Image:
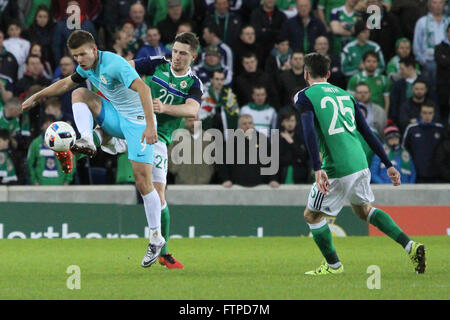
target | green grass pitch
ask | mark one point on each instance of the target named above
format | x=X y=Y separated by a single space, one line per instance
x=220 y=268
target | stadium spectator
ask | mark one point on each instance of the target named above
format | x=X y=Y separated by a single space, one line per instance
x=408 y=13
x=267 y=21
x=402 y=89
x=169 y=26
x=263 y=114
x=245 y=45
x=33 y=76
x=185 y=27
x=288 y=7
x=421 y=140
x=379 y=84
x=152 y=45
x=252 y=75
x=367 y=150
x=28 y=9
x=400 y=158
x=211 y=36
x=190 y=171
x=388 y=32
x=229 y=22
x=403 y=49
x=137 y=14
x=9 y=117
x=375 y=115
x=303 y=29
x=442 y=57
x=158 y=9
x=353 y=52
x=246 y=174
x=6 y=91
x=205 y=69
x=62 y=32
x=8 y=63
x=52 y=106
x=114 y=14
x=120 y=45
x=443 y=158
x=43 y=166
x=342 y=21
x=36 y=49
x=294 y=168
x=279 y=58
x=291 y=81
x=430 y=31
x=133 y=43
x=18 y=46
x=219 y=108
x=41 y=31
x=7 y=165
x=337 y=78
x=325 y=10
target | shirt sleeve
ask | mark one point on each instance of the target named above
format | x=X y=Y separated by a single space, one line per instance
x=148 y=64
x=196 y=91
x=124 y=72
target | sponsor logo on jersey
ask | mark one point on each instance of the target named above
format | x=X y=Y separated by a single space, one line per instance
x=183 y=84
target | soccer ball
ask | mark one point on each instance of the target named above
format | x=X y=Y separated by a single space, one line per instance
x=60 y=136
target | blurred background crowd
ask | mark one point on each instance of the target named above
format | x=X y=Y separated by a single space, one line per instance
x=251 y=64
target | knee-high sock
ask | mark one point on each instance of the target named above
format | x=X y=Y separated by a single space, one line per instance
x=152 y=206
x=323 y=238
x=384 y=222
x=83 y=119
x=165 y=226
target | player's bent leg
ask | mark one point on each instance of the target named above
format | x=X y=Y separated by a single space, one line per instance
x=322 y=237
x=386 y=224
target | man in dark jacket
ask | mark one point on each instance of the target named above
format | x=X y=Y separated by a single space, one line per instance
x=228 y=22
x=8 y=63
x=169 y=26
x=442 y=57
x=421 y=140
x=291 y=81
x=303 y=29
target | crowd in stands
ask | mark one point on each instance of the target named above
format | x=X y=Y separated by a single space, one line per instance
x=250 y=61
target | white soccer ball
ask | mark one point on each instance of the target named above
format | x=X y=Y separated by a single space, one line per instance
x=60 y=136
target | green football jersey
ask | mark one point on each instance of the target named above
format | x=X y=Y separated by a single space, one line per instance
x=341 y=15
x=379 y=86
x=338 y=137
x=170 y=89
x=328 y=6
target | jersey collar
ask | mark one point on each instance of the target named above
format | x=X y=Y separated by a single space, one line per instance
x=183 y=75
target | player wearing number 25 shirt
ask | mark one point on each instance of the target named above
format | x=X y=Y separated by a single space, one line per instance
x=331 y=120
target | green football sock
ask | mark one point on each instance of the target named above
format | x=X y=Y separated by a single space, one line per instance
x=165 y=227
x=323 y=238
x=384 y=222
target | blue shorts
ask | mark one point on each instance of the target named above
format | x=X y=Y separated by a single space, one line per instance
x=117 y=126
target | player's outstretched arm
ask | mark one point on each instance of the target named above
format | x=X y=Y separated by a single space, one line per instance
x=56 y=89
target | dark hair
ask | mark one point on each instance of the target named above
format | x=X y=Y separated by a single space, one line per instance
x=420 y=80
x=317 y=65
x=79 y=38
x=362 y=84
x=245 y=26
x=213 y=28
x=248 y=55
x=408 y=61
x=188 y=38
x=286 y=115
x=219 y=71
x=14 y=22
x=428 y=104
x=258 y=86
x=296 y=51
x=32 y=56
x=42 y=7
x=371 y=54
x=4 y=134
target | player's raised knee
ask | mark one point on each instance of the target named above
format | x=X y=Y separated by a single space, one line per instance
x=79 y=95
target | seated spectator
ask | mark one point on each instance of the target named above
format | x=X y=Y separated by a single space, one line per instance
x=303 y=29
x=408 y=13
x=133 y=43
x=342 y=24
x=252 y=75
x=353 y=52
x=169 y=26
x=33 y=76
x=442 y=57
x=8 y=63
x=263 y=114
x=293 y=80
x=62 y=32
x=152 y=45
x=388 y=32
x=9 y=117
x=245 y=45
x=443 y=158
x=403 y=49
x=120 y=45
x=43 y=166
x=279 y=57
x=158 y=9
x=367 y=150
x=36 y=49
x=294 y=168
x=375 y=115
x=325 y=10
x=137 y=14
x=430 y=31
x=184 y=27
x=52 y=107
x=18 y=46
x=219 y=108
x=41 y=31
x=379 y=84
x=400 y=158
x=246 y=174
x=421 y=140
x=190 y=171
x=205 y=69
x=402 y=89
x=28 y=10
x=288 y=7
x=267 y=21
x=7 y=165
x=322 y=46
x=211 y=35
x=229 y=22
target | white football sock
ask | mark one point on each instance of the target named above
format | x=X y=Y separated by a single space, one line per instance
x=83 y=119
x=152 y=206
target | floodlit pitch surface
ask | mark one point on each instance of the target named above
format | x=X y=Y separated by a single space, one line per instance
x=220 y=268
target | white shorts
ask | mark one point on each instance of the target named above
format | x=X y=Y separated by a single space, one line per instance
x=160 y=162
x=354 y=188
